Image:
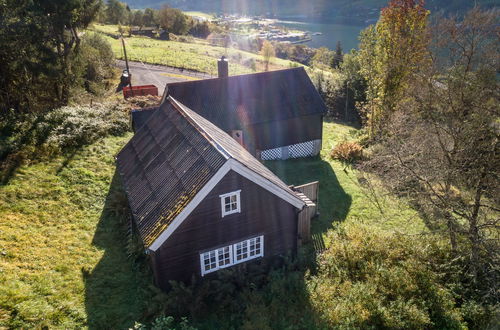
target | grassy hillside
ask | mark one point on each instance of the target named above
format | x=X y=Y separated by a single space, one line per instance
x=63 y=259
x=195 y=55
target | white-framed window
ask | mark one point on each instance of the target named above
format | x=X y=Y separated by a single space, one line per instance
x=233 y=254
x=230 y=203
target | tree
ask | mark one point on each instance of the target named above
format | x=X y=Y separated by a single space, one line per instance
x=355 y=83
x=200 y=29
x=138 y=18
x=173 y=20
x=38 y=46
x=267 y=52
x=338 y=57
x=116 y=12
x=150 y=17
x=322 y=58
x=391 y=53
x=443 y=147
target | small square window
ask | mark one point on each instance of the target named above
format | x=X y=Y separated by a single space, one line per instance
x=230 y=203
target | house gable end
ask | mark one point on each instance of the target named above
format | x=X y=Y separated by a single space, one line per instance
x=262 y=214
x=237 y=167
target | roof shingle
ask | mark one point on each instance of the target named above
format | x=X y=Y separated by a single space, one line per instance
x=235 y=101
x=170 y=159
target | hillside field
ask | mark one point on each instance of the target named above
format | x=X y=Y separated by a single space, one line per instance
x=193 y=54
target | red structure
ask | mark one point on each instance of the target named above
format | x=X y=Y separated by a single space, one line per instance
x=140 y=91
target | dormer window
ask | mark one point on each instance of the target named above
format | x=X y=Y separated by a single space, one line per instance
x=230 y=203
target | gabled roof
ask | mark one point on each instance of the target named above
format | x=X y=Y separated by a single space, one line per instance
x=141 y=116
x=171 y=159
x=254 y=98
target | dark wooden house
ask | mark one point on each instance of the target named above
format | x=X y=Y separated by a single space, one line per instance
x=200 y=201
x=275 y=115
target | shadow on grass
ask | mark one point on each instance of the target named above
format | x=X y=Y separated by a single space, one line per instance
x=334 y=202
x=118 y=289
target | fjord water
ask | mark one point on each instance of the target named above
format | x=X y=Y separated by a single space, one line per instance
x=330 y=33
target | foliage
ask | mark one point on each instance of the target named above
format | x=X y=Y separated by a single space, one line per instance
x=173 y=20
x=322 y=58
x=267 y=52
x=116 y=12
x=390 y=53
x=97 y=60
x=347 y=152
x=442 y=147
x=369 y=278
x=27 y=138
x=338 y=57
x=355 y=81
x=294 y=52
x=38 y=46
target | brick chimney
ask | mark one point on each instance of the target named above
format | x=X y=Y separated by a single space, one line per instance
x=223 y=67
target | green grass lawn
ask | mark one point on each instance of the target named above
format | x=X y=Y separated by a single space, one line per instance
x=345 y=194
x=197 y=54
x=63 y=260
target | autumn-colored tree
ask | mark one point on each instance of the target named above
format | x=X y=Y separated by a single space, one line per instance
x=442 y=149
x=267 y=52
x=391 y=52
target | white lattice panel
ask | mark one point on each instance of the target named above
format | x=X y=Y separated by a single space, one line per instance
x=305 y=149
x=299 y=150
x=271 y=154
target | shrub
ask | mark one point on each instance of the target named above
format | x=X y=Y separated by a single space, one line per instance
x=369 y=278
x=75 y=126
x=96 y=61
x=36 y=137
x=347 y=152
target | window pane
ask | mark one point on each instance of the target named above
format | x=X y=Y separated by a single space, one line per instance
x=224 y=256
x=241 y=250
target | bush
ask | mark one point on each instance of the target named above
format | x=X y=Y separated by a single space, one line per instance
x=347 y=152
x=373 y=279
x=35 y=137
x=96 y=60
x=75 y=126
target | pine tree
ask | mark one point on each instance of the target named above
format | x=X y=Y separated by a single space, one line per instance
x=338 y=57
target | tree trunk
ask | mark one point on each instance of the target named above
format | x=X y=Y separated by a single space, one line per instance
x=473 y=228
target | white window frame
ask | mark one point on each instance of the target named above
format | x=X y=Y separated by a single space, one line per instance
x=231 y=250
x=223 y=203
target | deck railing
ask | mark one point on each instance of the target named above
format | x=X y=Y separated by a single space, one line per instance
x=309 y=193
x=311 y=190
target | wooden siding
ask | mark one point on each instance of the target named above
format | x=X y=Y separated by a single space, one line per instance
x=283 y=133
x=262 y=213
x=304 y=226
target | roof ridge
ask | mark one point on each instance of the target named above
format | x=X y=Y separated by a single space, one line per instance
x=202 y=131
x=262 y=73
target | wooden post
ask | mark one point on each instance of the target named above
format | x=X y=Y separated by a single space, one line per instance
x=128 y=69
